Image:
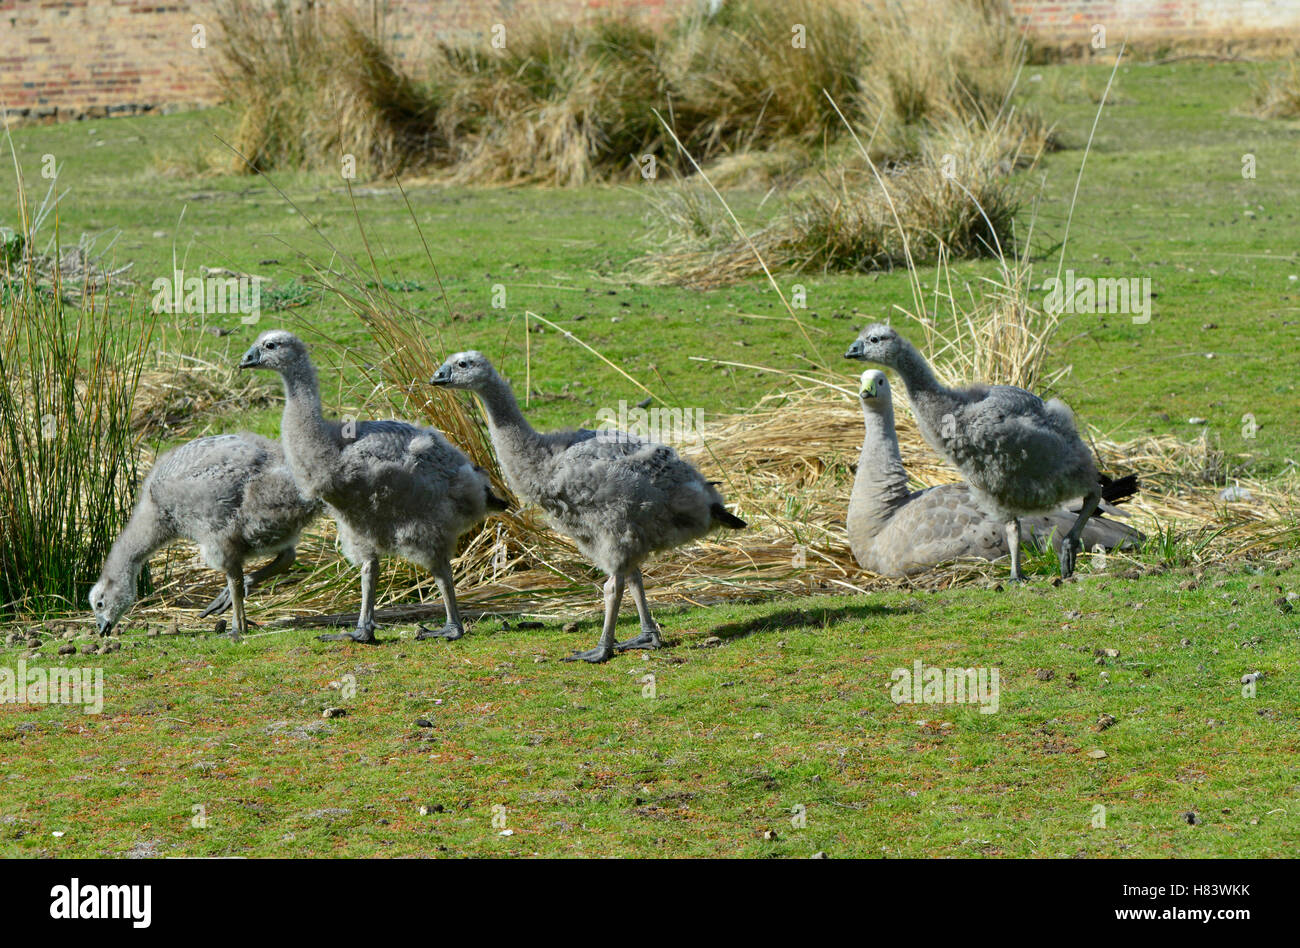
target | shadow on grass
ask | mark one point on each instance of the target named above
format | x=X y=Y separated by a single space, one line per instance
x=806 y=617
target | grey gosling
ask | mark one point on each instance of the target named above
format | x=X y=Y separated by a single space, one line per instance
x=896 y=532
x=392 y=488
x=233 y=496
x=620 y=498
x=1020 y=455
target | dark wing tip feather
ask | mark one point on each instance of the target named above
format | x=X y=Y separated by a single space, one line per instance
x=726 y=518
x=1118 y=490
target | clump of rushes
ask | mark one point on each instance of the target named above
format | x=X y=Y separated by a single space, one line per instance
x=570 y=103
x=1278 y=95
x=70 y=358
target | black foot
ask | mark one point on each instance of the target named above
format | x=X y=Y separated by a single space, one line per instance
x=449 y=632
x=363 y=634
x=647 y=639
x=1068 y=556
x=595 y=656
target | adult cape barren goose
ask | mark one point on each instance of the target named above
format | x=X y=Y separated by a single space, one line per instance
x=393 y=488
x=896 y=532
x=620 y=498
x=233 y=496
x=1020 y=455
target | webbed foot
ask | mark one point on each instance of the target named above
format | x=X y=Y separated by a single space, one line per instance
x=449 y=632
x=649 y=638
x=595 y=655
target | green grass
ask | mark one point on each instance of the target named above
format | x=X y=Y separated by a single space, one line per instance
x=581 y=761
x=792 y=709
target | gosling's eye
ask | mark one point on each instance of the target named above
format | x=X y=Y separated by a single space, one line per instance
x=875 y=339
x=463 y=364
x=268 y=345
x=100 y=604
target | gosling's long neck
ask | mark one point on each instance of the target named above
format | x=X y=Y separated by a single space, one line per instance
x=144 y=534
x=880 y=486
x=930 y=398
x=519 y=447
x=311 y=444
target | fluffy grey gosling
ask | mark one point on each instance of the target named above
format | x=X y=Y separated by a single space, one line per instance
x=232 y=495
x=393 y=489
x=896 y=532
x=618 y=497
x=1020 y=455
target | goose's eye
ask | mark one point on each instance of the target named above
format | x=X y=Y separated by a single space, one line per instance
x=100 y=604
x=463 y=364
x=269 y=345
x=875 y=339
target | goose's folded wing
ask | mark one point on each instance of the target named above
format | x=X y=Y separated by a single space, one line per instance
x=938 y=525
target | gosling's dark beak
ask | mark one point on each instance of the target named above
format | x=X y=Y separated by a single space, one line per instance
x=855 y=350
x=105 y=626
x=252 y=358
x=441 y=377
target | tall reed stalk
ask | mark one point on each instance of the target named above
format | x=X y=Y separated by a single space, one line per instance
x=69 y=364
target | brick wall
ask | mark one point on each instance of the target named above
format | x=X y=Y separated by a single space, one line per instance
x=64 y=58
x=1072 y=20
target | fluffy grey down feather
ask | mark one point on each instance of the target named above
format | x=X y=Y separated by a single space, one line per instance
x=232 y=495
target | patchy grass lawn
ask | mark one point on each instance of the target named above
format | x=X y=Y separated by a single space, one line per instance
x=793 y=708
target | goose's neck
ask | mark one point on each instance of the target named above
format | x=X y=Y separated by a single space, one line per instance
x=930 y=398
x=310 y=443
x=512 y=436
x=916 y=372
x=880 y=486
x=143 y=535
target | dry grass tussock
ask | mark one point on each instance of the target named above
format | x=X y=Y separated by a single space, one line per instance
x=569 y=103
x=1278 y=94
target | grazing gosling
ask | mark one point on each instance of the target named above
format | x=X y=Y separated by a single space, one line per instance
x=392 y=488
x=618 y=497
x=896 y=532
x=233 y=496
x=1020 y=455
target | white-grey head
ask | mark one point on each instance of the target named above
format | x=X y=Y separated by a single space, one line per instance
x=470 y=371
x=275 y=349
x=873 y=392
x=879 y=344
x=109 y=600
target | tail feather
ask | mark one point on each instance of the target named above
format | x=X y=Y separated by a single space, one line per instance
x=1118 y=490
x=726 y=518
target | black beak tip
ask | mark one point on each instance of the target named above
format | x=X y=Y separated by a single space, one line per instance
x=439 y=379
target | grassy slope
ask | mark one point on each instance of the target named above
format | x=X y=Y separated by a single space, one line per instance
x=582 y=762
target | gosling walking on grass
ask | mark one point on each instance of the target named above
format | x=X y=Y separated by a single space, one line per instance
x=234 y=497
x=392 y=488
x=1020 y=455
x=894 y=531
x=620 y=498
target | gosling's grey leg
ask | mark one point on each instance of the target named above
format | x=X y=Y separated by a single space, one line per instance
x=605 y=648
x=1013 y=544
x=1070 y=548
x=283 y=560
x=454 y=628
x=235 y=587
x=649 y=637
x=365 y=631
